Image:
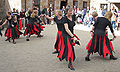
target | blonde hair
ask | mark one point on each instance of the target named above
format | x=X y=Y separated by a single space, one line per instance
x=33 y=15
x=108 y=15
x=59 y=12
x=118 y=14
x=94 y=14
x=36 y=12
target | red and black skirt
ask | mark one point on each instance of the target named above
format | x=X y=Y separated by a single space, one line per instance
x=58 y=41
x=19 y=25
x=66 y=50
x=40 y=27
x=12 y=33
x=31 y=29
x=100 y=44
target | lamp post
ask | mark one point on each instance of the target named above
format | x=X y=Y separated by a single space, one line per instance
x=25 y=16
x=39 y=4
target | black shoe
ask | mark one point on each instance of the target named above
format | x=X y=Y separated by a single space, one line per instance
x=18 y=37
x=87 y=59
x=27 y=40
x=71 y=67
x=7 y=39
x=54 y=52
x=1 y=34
x=14 y=42
x=113 y=58
x=41 y=35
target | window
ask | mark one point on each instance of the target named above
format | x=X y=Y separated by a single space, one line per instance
x=84 y=4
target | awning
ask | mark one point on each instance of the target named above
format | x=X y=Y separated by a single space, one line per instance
x=114 y=1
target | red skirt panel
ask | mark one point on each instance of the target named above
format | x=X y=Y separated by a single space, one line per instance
x=100 y=44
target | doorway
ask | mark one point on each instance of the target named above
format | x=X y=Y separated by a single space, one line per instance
x=63 y=3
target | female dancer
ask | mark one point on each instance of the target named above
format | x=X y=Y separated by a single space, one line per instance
x=32 y=28
x=12 y=32
x=8 y=19
x=100 y=42
x=1 y=28
x=60 y=22
x=67 y=49
x=15 y=23
x=39 y=23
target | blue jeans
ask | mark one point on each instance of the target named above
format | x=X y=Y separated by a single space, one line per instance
x=113 y=24
x=91 y=19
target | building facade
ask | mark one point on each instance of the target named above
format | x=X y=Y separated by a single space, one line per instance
x=56 y=4
x=105 y=3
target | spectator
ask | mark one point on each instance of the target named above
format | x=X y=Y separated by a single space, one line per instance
x=113 y=19
x=63 y=11
x=118 y=21
x=22 y=16
x=104 y=10
x=100 y=12
x=14 y=12
x=84 y=13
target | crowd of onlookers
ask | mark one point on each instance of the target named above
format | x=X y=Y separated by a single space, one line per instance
x=84 y=16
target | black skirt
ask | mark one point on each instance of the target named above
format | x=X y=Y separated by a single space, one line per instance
x=66 y=50
x=100 y=44
x=31 y=29
x=12 y=33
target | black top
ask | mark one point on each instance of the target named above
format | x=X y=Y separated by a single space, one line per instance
x=31 y=20
x=22 y=14
x=14 y=23
x=70 y=23
x=37 y=20
x=100 y=26
x=10 y=21
x=59 y=23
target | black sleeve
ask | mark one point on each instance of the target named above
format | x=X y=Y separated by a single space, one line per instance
x=7 y=17
x=110 y=26
x=65 y=20
x=12 y=23
x=55 y=18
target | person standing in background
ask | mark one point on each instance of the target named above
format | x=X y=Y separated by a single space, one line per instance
x=1 y=28
x=104 y=10
x=118 y=21
x=22 y=17
x=84 y=13
x=113 y=20
x=63 y=11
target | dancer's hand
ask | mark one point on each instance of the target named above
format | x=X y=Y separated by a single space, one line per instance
x=114 y=38
x=75 y=39
x=41 y=15
x=12 y=25
x=91 y=33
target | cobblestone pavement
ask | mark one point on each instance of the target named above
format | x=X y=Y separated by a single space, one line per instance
x=36 y=55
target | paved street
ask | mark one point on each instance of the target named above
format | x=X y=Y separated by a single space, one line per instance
x=36 y=55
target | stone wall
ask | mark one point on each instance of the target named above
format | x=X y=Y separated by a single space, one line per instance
x=56 y=3
x=28 y=4
x=4 y=7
